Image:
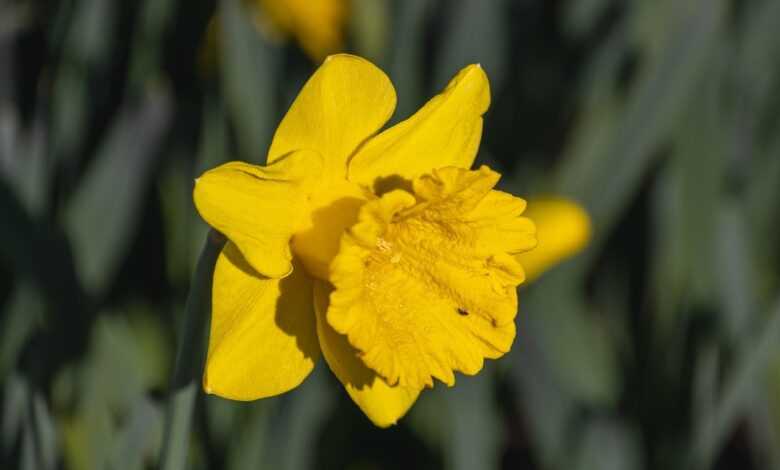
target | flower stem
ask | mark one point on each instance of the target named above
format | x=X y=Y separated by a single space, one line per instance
x=185 y=382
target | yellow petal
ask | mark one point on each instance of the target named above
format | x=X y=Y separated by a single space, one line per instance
x=426 y=285
x=383 y=405
x=263 y=340
x=444 y=132
x=346 y=101
x=259 y=208
x=563 y=229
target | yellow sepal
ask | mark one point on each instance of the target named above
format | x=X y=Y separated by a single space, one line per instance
x=263 y=339
x=444 y=132
x=259 y=208
x=345 y=102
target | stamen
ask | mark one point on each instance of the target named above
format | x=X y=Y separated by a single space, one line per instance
x=383 y=245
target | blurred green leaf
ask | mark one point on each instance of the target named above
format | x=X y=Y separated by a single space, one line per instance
x=100 y=217
x=705 y=385
x=249 y=447
x=223 y=417
x=764 y=429
x=183 y=227
x=701 y=159
x=15 y=396
x=650 y=23
x=280 y=432
x=37 y=254
x=42 y=426
x=609 y=445
x=190 y=354
x=579 y=350
x=213 y=150
x=126 y=359
x=607 y=180
x=761 y=201
x=736 y=272
x=26 y=416
x=69 y=112
x=248 y=75
x=670 y=265
x=758 y=55
x=748 y=371
x=23 y=161
x=24 y=168
x=406 y=58
x=547 y=404
x=425 y=418
x=369 y=28
x=602 y=106
x=755 y=143
x=86 y=47
x=474 y=428
x=14 y=18
x=564 y=359
x=687 y=201
x=180 y=221
x=23 y=314
x=476 y=33
x=581 y=16
x=89 y=37
x=298 y=424
x=135 y=442
x=147 y=49
x=7 y=81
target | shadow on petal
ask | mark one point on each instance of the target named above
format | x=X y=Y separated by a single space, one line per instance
x=295 y=295
x=383 y=404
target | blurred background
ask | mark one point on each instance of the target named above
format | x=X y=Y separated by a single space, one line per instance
x=656 y=348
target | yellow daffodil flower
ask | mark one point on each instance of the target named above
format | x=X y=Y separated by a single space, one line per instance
x=317 y=25
x=562 y=229
x=381 y=251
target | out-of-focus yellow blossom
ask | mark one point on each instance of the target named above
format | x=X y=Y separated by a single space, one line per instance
x=317 y=25
x=562 y=229
x=382 y=251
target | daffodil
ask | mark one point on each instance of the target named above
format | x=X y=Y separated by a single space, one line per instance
x=317 y=25
x=382 y=251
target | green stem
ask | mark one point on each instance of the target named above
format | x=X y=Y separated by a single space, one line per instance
x=185 y=382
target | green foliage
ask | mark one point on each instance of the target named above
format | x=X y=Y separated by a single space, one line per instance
x=659 y=347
